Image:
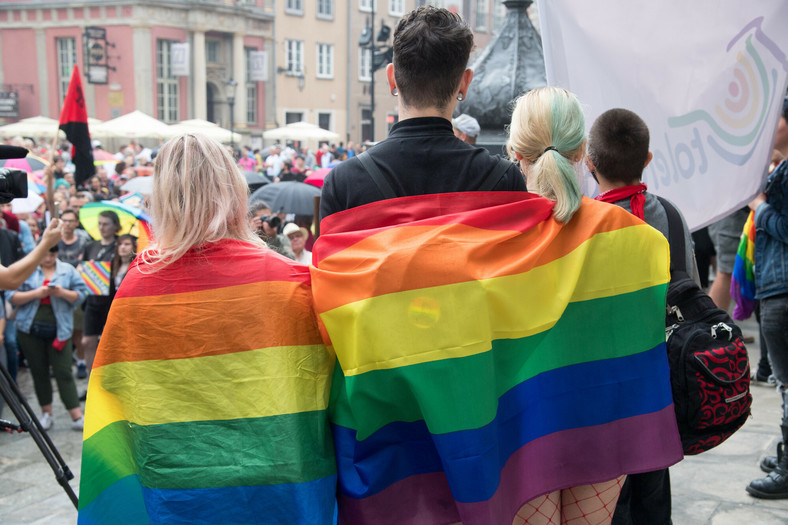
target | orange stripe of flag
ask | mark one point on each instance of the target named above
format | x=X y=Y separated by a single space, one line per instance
x=148 y=320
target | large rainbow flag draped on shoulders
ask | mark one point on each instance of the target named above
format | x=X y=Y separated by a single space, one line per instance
x=207 y=400
x=488 y=354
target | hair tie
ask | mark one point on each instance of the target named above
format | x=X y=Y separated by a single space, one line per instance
x=548 y=148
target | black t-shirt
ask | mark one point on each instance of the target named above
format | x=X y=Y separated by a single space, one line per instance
x=95 y=251
x=71 y=253
x=420 y=156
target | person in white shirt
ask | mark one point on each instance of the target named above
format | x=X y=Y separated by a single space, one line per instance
x=273 y=162
x=297 y=238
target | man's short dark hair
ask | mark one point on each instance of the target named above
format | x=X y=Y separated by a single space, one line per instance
x=431 y=51
x=111 y=215
x=618 y=145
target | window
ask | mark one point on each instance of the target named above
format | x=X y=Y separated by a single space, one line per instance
x=481 y=15
x=295 y=57
x=324 y=120
x=366 y=125
x=325 y=61
x=396 y=8
x=365 y=5
x=294 y=7
x=212 y=51
x=166 y=83
x=293 y=116
x=66 y=58
x=251 y=90
x=325 y=9
x=365 y=64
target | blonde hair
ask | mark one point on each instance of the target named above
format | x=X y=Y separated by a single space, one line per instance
x=198 y=197
x=548 y=131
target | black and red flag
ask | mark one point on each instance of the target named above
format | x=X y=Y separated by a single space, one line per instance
x=74 y=121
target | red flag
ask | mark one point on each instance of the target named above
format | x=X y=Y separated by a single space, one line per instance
x=74 y=122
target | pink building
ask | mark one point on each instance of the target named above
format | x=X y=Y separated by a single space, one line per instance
x=172 y=59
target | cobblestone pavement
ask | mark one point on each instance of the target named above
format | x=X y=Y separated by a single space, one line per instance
x=707 y=489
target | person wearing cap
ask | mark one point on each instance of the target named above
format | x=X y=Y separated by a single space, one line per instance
x=298 y=236
x=466 y=128
x=429 y=75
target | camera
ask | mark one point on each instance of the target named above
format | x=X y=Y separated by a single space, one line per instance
x=13 y=184
x=272 y=220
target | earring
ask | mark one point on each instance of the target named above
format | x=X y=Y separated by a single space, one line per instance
x=394 y=92
x=460 y=97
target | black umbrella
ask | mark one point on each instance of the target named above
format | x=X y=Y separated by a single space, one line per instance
x=255 y=180
x=288 y=197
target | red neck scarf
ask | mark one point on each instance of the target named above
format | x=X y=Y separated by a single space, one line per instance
x=634 y=192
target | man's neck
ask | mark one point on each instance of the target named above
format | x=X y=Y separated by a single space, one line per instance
x=606 y=185
x=407 y=112
x=105 y=241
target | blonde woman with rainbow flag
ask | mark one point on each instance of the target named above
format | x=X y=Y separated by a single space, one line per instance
x=207 y=401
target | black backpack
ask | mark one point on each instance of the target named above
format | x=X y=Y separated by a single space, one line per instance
x=709 y=367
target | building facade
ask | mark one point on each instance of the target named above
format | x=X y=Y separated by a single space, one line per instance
x=171 y=59
x=272 y=61
x=310 y=47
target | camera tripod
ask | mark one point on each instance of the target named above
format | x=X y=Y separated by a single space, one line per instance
x=28 y=422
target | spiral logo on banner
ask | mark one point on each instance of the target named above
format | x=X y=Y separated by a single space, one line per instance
x=735 y=126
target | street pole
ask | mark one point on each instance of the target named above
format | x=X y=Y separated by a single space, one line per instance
x=372 y=76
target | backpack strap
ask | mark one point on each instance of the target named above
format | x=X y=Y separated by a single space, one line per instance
x=377 y=177
x=678 y=255
x=495 y=175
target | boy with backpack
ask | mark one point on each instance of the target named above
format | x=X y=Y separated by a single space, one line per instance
x=617 y=155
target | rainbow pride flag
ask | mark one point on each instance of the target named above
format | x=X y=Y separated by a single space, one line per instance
x=96 y=276
x=488 y=354
x=207 y=400
x=743 y=278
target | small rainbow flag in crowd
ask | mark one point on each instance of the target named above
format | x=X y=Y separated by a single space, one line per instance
x=488 y=354
x=743 y=278
x=96 y=276
x=207 y=400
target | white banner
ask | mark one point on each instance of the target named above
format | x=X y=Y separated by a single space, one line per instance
x=258 y=66
x=179 y=59
x=708 y=77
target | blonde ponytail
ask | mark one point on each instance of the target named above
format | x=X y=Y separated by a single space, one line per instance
x=548 y=132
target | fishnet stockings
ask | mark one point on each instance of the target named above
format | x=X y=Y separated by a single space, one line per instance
x=584 y=505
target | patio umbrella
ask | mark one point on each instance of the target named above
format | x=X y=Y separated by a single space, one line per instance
x=132 y=220
x=29 y=164
x=288 y=197
x=131 y=125
x=40 y=126
x=300 y=131
x=317 y=177
x=142 y=185
x=204 y=127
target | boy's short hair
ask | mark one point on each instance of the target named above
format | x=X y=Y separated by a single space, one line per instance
x=431 y=50
x=618 y=145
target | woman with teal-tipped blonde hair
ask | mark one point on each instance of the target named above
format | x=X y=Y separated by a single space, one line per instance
x=547 y=139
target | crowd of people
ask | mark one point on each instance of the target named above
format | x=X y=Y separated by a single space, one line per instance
x=212 y=251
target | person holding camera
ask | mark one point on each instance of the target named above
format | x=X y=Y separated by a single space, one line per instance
x=13 y=184
x=45 y=322
x=266 y=225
